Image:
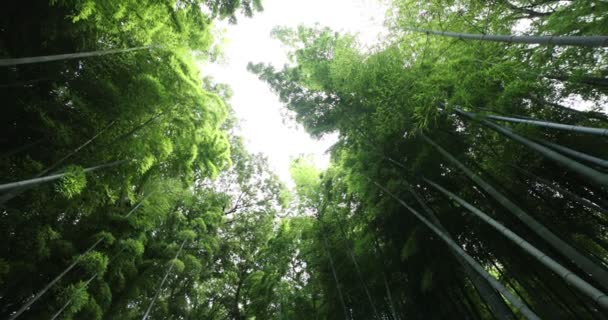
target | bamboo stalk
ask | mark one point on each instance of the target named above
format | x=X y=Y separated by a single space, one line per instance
x=52 y=177
x=592 y=269
x=515 y=302
x=553 y=125
x=67 y=56
x=581 y=41
x=598 y=297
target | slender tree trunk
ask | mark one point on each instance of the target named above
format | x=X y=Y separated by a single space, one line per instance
x=333 y=272
x=60 y=311
x=52 y=283
x=599 y=297
x=590 y=173
x=553 y=125
x=458 y=305
x=139 y=127
x=70 y=267
x=506 y=278
x=160 y=286
x=571 y=195
x=140 y=203
x=575 y=154
x=592 y=81
x=590 y=201
x=554 y=295
x=358 y=271
x=67 y=56
x=487 y=293
x=236 y=310
x=515 y=302
x=468 y=302
x=389 y=297
x=52 y=177
x=592 y=269
x=73 y=152
x=582 y=41
x=57 y=163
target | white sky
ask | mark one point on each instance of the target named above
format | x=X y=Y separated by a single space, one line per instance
x=256 y=106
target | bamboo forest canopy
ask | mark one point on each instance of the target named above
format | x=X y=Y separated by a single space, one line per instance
x=469 y=180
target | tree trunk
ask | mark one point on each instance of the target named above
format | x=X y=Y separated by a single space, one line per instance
x=70 y=267
x=571 y=195
x=57 y=163
x=599 y=297
x=582 y=41
x=515 y=302
x=592 y=174
x=575 y=154
x=592 y=269
x=352 y=257
x=60 y=311
x=592 y=81
x=160 y=286
x=333 y=272
x=495 y=301
x=52 y=177
x=53 y=282
x=553 y=125
x=67 y=56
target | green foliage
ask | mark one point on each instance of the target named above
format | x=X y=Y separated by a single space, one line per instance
x=79 y=298
x=133 y=247
x=94 y=262
x=178 y=265
x=186 y=235
x=379 y=102
x=91 y=310
x=73 y=182
x=256 y=249
x=44 y=237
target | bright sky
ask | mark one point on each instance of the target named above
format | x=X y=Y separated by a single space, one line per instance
x=256 y=106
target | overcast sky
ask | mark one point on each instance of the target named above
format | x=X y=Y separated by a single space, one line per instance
x=255 y=105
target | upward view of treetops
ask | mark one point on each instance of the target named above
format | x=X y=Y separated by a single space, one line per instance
x=469 y=179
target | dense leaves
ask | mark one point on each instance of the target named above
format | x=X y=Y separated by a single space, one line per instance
x=155 y=205
x=384 y=101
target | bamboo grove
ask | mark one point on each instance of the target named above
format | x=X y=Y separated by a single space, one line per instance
x=469 y=180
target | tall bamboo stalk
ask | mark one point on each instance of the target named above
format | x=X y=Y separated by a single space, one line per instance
x=52 y=177
x=86 y=284
x=67 y=56
x=574 y=153
x=590 y=173
x=57 y=163
x=495 y=302
x=21 y=148
x=52 y=283
x=160 y=286
x=552 y=125
x=556 y=187
x=352 y=257
x=592 y=269
x=581 y=41
x=335 y=275
x=67 y=303
x=70 y=267
x=514 y=301
x=598 y=297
